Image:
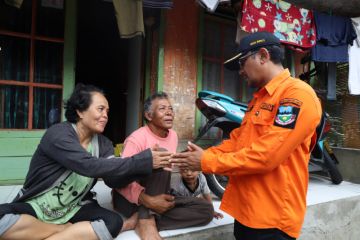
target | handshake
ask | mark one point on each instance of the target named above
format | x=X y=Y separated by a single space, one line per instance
x=188 y=159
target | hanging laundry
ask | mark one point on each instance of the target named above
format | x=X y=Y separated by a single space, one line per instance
x=356 y=24
x=167 y=4
x=331 y=82
x=57 y=4
x=210 y=5
x=129 y=17
x=292 y=25
x=14 y=3
x=334 y=34
x=354 y=59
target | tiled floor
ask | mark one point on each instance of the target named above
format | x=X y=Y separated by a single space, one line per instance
x=320 y=191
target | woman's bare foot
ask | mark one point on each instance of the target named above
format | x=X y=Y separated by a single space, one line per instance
x=146 y=229
x=130 y=223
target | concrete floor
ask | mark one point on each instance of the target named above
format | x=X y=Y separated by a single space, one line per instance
x=333 y=212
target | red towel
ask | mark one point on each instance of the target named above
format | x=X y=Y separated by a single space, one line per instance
x=292 y=25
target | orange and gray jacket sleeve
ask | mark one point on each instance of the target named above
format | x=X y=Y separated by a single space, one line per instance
x=271 y=148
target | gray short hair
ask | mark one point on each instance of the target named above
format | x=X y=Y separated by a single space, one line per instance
x=149 y=100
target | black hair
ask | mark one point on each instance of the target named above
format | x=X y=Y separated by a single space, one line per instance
x=149 y=100
x=277 y=53
x=79 y=100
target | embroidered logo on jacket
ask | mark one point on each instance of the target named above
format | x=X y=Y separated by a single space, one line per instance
x=286 y=116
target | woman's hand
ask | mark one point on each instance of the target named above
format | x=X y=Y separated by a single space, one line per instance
x=161 y=157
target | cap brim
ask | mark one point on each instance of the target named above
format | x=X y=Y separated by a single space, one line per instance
x=233 y=63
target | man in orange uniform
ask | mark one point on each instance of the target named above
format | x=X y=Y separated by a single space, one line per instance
x=267 y=157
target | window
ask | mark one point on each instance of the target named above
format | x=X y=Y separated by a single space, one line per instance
x=31 y=64
x=218 y=46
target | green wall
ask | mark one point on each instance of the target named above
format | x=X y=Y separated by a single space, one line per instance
x=17 y=147
x=15 y=154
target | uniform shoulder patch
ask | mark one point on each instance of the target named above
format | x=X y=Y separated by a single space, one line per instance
x=286 y=116
x=292 y=101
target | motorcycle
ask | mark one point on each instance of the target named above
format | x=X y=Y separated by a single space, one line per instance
x=223 y=112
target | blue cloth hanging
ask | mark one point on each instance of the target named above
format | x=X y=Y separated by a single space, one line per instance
x=333 y=35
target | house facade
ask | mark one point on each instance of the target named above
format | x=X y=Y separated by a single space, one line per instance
x=49 y=46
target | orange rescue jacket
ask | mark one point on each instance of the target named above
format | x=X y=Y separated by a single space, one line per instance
x=267 y=158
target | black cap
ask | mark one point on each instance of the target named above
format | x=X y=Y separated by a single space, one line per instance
x=249 y=43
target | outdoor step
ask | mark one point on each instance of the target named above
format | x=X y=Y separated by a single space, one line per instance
x=333 y=213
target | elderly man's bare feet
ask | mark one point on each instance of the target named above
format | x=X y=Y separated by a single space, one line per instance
x=130 y=223
x=146 y=229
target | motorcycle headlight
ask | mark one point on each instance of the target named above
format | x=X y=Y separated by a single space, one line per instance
x=214 y=105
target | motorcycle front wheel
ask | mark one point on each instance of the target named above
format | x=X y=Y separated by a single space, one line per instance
x=217 y=184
